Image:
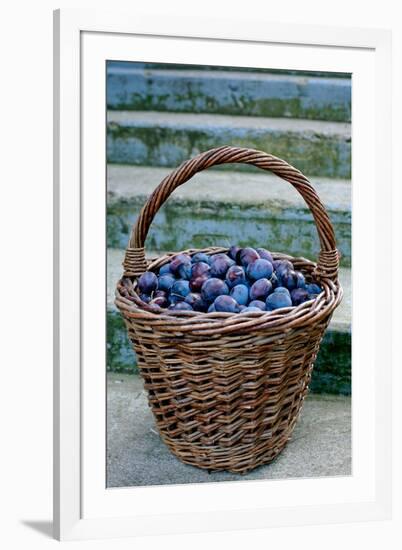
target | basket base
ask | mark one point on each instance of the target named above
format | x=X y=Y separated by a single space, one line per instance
x=236 y=460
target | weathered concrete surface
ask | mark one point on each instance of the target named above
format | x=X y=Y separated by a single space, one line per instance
x=332 y=370
x=220 y=208
x=233 y=93
x=136 y=455
x=166 y=139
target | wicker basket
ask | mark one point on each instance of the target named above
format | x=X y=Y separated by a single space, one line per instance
x=226 y=389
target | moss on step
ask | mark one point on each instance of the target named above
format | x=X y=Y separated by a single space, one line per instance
x=313 y=154
x=331 y=373
x=182 y=224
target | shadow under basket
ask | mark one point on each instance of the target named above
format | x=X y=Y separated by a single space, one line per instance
x=226 y=389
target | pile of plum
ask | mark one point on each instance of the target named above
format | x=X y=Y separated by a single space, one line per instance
x=243 y=280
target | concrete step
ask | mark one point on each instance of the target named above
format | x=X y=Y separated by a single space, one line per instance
x=219 y=208
x=183 y=67
x=320 y=445
x=151 y=138
x=332 y=371
x=234 y=92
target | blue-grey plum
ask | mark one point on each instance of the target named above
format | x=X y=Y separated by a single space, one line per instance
x=257 y=303
x=251 y=309
x=259 y=269
x=288 y=279
x=265 y=254
x=240 y=293
x=148 y=282
x=233 y=252
x=158 y=293
x=212 y=288
x=211 y=309
x=181 y=306
x=277 y=300
x=235 y=276
x=165 y=269
x=282 y=265
x=159 y=301
x=301 y=281
x=177 y=261
x=145 y=298
x=198 y=269
x=260 y=289
x=200 y=257
x=247 y=256
x=299 y=295
x=175 y=299
x=226 y=303
x=184 y=271
x=165 y=282
x=282 y=289
x=220 y=263
x=196 y=302
x=197 y=282
x=180 y=288
x=274 y=280
x=313 y=288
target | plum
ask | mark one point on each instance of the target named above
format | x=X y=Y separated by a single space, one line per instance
x=277 y=300
x=282 y=265
x=177 y=261
x=226 y=303
x=235 y=276
x=165 y=269
x=313 y=289
x=257 y=303
x=180 y=306
x=196 y=302
x=148 y=282
x=259 y=269
x=180 y=288
x=212 y=288
x=288 y=279
x=196 y=284
x=165 y=282
x=247 y=256
x=200 y=257
x=198 y=269
x=298 y=295
x=282 y=289
x=301 y=281
x=260 y=289
x=251 y=309
x=220 y=263
x=265 y=254
x=184 y=271
x=233 y=252
x=159 y=301
x=240 y=293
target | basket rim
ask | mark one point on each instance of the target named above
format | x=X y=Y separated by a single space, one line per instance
x=307 y=312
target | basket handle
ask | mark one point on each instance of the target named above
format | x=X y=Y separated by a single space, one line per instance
x=328 y=259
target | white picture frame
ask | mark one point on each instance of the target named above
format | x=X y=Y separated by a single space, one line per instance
x=83 y=507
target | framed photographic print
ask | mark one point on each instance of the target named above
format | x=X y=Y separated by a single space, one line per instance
x=221 y=359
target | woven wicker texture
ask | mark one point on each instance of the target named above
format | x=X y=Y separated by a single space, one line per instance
x=226 y=389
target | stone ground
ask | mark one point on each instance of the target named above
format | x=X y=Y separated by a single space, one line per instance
x=320 y=446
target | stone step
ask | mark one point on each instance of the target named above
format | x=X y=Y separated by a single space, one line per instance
x=236 y=92
x=218 y=208
x=332 y=371
x=184 y=67
x=320 y=446
x=150 y=138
